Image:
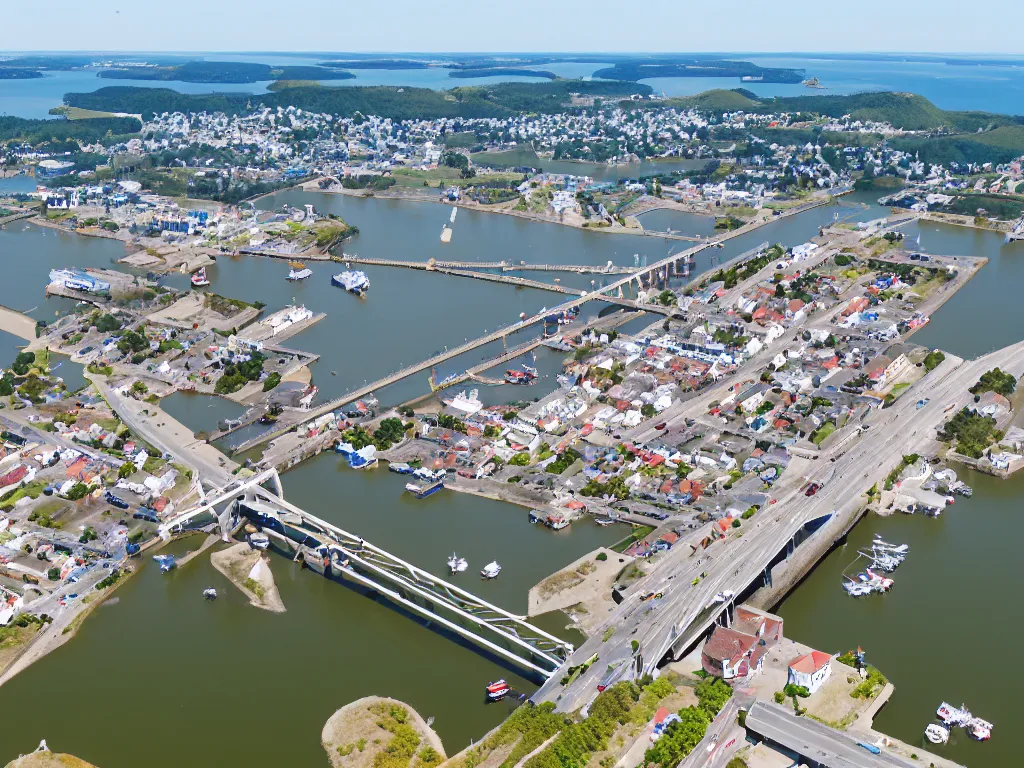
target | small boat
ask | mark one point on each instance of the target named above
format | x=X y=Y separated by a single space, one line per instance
x=498 y=690
x=259 y=540
x=454 y=211
x=951 y=715
x=936 y=734
x=132 y=549
x=298 y=274
x=422 y=491
x=364 y=458
x=603 y=520
x=199 y=278
x=979 y=730
x=457 y=564
x=355 y=282
x=491 y=570
x=167 y=562
x=210 y=593
x=400 y=467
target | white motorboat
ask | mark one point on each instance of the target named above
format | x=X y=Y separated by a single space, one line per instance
x=210 y=593
x=491 y=570
x=259 y=540
x=951 y=715
x=936 y=734
x=457 y=564
x=299 y=274
x=979 y=730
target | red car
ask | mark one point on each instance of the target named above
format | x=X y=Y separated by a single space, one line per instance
x=812 y=489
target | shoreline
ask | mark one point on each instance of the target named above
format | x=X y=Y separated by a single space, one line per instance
x=353 y=725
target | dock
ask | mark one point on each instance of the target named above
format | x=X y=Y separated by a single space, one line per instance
x=504 y=266
x=448 y=354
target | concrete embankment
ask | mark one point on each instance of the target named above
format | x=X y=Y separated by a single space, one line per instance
x=353 y=735
x=247 y=569
x=14 y=322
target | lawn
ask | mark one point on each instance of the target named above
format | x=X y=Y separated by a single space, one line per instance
x=822 y=432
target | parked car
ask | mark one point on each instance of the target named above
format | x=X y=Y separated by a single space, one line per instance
x=812 y=489
x=116 y=501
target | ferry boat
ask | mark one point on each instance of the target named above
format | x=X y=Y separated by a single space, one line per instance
x=457 y=564
x=465 y=403
x=422 y=491
x=199 y=278
x=491 y=570
x=936 y=734
x=355 y=282
x=298 y=274
x=400 y=467
x=498 y=690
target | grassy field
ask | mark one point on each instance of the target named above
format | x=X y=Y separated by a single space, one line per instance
x=76 y=113
x=409 y=177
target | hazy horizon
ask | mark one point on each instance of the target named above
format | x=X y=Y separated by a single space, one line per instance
x=197 y=26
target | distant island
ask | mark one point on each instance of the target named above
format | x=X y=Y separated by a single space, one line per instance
x=228 y=72
x=639 y=70
x=17 y=73
x=469 y=72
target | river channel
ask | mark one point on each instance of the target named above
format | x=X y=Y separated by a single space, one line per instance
x=185 y=680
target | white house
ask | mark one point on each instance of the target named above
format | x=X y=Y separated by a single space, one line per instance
x=810 y=670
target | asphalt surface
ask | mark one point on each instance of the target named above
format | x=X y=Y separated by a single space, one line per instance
x=815 y=741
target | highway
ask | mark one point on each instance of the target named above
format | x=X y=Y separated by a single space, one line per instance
x=815 y=741
x=682 y=616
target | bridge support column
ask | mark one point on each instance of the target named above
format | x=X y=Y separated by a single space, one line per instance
x=767 y=576
x=790 y=548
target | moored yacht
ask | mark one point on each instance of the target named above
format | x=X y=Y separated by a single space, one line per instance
x=353 y=281
x=491 y=570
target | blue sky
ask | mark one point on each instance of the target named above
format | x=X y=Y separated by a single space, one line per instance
x=525 y=25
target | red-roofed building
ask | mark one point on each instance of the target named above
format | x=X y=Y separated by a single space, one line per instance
x=810 y=670
x=735 y=653
x=855 y=305
x=77 y=467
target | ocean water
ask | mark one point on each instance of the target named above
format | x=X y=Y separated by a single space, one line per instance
x=950 y=86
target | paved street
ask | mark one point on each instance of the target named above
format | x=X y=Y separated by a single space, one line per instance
x=814 y=741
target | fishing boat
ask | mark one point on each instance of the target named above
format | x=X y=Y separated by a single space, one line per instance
x=210 y=593
x=491 y=570
x=498 y=690
x=259 y=540
x=355 y=282
x=457 y=564
x=427 y=489
x=199 y=278
x=400 y=468
x=513 y=376
x=979 y=730
x=936 y=734
x=298 y=274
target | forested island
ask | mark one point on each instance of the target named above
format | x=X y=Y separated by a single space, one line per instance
x=385 y=101
x=224 y=72
x=641 y=70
